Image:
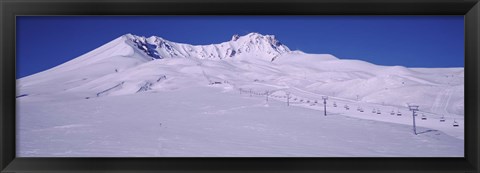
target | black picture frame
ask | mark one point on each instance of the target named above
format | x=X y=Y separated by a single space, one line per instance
x=12 y=8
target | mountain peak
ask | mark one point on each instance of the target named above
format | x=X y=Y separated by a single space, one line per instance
x=256 y=39
x=158 y=48
x=151 y=39
x=235 y=37
x=252 y=34
x=256 y=36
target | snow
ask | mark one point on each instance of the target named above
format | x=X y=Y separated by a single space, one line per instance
x=145 y=97
x=205 y=122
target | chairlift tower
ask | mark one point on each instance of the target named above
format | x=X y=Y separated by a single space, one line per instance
x=413 y=108
x=325 y=98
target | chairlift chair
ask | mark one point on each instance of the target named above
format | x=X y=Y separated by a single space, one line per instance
x=424 y=117
x=374 y=111
x=392 y=113
x=455 y=124
x=399 y=113
x=378 y=112
x=334 y=104
x=442 y=119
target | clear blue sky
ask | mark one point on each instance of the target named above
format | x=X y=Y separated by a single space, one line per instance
x=411 y=41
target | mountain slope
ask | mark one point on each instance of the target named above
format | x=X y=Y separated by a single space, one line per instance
x=130 y=64
x=184 y=98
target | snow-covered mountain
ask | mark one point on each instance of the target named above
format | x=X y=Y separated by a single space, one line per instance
x=252 y=44
x=132 y=64
x=138 y=96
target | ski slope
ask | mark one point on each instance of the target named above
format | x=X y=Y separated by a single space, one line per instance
x=140 y=97
x=207 y=122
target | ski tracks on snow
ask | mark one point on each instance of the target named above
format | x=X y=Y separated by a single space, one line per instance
x=442 y=101
x=160 y=139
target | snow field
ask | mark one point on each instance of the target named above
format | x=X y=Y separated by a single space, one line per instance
x=203 y=122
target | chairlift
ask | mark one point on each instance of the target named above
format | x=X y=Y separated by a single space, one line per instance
x=424 y=117
x=378 y=112
x=455 y=124
x=442 y=119
x=399 y=113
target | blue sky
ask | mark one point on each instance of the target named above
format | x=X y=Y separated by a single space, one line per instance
x=411 y=41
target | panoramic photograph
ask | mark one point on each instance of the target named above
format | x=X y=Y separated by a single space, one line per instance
x=240 y=86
